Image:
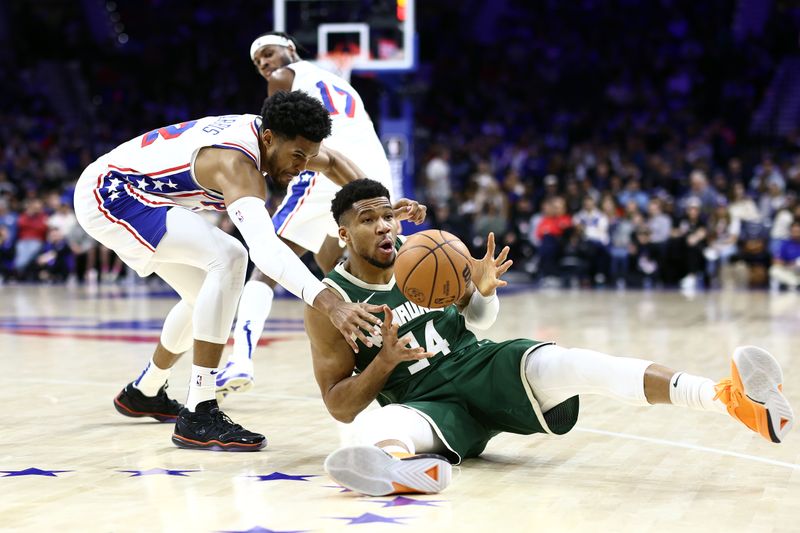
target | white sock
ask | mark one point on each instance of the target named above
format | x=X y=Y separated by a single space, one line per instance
x=202 y=386
x=254 y=307
x=695 y=392
x=151 y=379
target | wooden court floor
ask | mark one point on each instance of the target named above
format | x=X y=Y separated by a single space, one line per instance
x=69 y=462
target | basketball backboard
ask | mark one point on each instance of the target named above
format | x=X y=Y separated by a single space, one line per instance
x=380 y=34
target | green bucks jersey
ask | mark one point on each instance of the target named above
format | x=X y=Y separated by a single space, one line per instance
x=439 y=331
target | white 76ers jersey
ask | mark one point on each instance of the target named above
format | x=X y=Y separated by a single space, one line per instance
x=157 y=167
x=352 y=132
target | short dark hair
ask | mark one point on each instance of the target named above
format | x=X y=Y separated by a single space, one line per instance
x=353 y=192
x=290 y=114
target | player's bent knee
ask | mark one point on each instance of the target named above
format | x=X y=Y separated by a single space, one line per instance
x=232 y=258
x=394 y=423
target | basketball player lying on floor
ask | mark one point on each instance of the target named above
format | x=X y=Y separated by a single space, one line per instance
x=444 y=394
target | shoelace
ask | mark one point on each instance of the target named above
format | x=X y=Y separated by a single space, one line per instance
x=170 y=401
x=729 y=394
x=220 y=419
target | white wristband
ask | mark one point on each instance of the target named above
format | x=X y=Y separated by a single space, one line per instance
x=481 y=311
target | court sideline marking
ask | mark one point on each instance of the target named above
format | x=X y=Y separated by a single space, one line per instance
x=687 y=446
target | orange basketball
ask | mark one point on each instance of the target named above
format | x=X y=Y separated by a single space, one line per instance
x=433 y=268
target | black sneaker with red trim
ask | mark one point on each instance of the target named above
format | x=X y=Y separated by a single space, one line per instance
x=208 y=428
x=132 y=402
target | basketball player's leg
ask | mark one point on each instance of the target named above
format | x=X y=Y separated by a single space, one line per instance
x=253 y=311
x=396 y=450
x=207 y=267
x=753 y=395
x=146 y=396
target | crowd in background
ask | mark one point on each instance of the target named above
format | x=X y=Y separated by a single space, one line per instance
x=608 y=146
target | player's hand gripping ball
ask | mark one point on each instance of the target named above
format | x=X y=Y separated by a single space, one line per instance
x=433 y=268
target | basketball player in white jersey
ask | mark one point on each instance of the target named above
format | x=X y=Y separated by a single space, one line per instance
x=303 y=220
x=140 y=201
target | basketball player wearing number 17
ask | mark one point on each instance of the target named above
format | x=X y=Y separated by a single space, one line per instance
x=444 y=394
x=303 y=221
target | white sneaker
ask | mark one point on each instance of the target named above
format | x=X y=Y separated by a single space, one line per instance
x=371 y=471
x=237 y=376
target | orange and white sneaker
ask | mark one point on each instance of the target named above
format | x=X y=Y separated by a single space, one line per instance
x=754 y=393
x=370 y=470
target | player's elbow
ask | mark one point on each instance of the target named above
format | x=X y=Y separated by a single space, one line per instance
x=341 y=415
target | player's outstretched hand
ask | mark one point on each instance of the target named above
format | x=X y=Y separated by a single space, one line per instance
x=353 y=319
x=486 y=272
x=396 y=350
x=411 y=210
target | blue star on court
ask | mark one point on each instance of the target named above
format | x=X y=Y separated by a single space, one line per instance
x=278 y=476
x=369 y=518
x=158 y=472
x=259 y=529
x=33 y=472
x=402 y=500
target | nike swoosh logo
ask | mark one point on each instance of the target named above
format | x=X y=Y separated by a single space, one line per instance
x=675 y=385
x=214 y=372
x=368 y=297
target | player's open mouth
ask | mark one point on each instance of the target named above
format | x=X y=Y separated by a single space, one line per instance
x=386 y=246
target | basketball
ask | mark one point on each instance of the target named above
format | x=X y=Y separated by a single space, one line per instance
x=433 y=269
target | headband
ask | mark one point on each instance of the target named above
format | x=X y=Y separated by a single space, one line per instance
x=266 y=40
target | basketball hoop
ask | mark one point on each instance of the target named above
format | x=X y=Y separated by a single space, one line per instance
x=339 y=63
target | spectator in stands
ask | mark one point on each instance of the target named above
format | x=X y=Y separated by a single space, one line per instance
x=31 y=236
x=6 y=253
x=83 y=249
x=723 y=239
x=8 y=220
x=549 y=233
x=437 y=177
x=644 y=257
x=742 y=206
x=765 y=174
x=633 y=193
x=489 y=220
x=621 y=233
x=785 y=269
x=782 y=222
x=771 y=201
x=594 y=228
x=700 y=188
x=685 y=250
x=53 y=261
x=7 y=188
